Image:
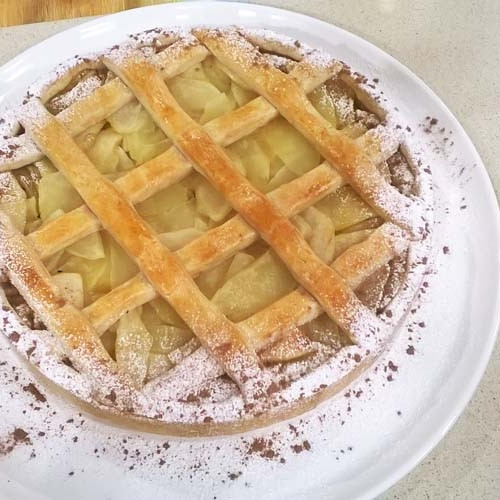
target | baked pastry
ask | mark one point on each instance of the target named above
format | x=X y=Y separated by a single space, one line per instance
x=206 y=231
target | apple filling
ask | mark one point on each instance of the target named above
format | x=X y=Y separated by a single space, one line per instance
x=145 y=339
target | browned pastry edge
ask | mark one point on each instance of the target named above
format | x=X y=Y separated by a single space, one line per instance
x=110 y=416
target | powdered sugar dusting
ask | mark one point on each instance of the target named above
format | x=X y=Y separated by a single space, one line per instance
x=199 y=465
x=289 y=47
x=45 y=87
x=9 y=124
x=159 y=37
x=17 y=151
x=44 y=350
x=79 y=91
x=214 y=400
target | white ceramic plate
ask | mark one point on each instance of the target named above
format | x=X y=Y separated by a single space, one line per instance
x=387 y=431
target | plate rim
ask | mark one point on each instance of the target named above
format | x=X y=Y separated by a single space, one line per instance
x=418 y=454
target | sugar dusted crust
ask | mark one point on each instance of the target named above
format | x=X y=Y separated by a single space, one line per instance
x=194 y=397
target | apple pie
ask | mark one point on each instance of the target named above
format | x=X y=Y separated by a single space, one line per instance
x=205 y=231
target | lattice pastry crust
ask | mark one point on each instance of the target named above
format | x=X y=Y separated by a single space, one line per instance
x=234 y=374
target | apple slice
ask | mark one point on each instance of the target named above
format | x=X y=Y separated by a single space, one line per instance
x=282 y=176
x=168 y=338
x=322 y=329
x=28 y=179
x=86 y=139
x=53 y=263
x=45 y=167
x=210 y=281
x=104 y=151
x=255 y=287
x=121 y=266
x=287 y=143
x=169 y=210
x=164 y=200
x=210 y=202
x=239 y=262
x=321 y=99
x=345 y=208
x=218 y=106
x=158 y=364
x=254 y=159
x=166 y=313
x=215 y=74
x=342 y=98
x=94 y=273
x=145 y=144
x=71 y=287
x=90 y=247
x=32 y=209
x=108 y=339
x=130 y=118
x=55 y=192
x=196 y=72
x=133 y=345
x=242 y=95
x=192 y=94
x=322 y=236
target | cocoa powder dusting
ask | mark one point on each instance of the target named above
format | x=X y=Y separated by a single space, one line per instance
x=262 y=447
x=186 y=460
x=11 y=441
x=33 y=390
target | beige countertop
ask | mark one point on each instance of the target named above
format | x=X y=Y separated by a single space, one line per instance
x=454 y=47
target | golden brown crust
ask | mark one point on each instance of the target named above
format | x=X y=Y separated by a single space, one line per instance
x=323 y=282
x=63 y=231
x=152 y=176
x=270 y=323
x=180 y=56
x=298 y=307
x=215 y=245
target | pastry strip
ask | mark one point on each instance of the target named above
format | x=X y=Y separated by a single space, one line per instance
x=113 y=95
x=199 y=255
